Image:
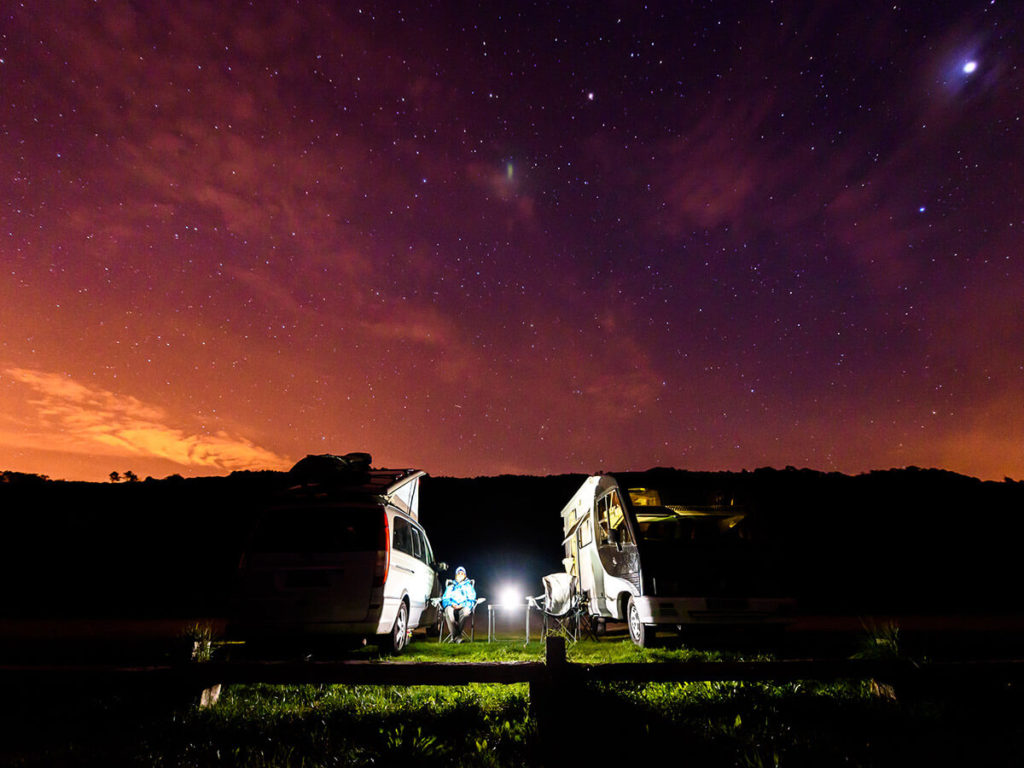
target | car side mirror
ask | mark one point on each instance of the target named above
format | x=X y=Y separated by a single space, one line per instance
x=441 y=567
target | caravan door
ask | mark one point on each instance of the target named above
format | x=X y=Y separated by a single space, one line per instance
x=616 y=551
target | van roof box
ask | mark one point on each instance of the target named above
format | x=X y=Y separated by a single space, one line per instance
x=329 y=469
x=326 y=476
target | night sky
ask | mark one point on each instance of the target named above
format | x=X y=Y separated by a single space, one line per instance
x=511 y=238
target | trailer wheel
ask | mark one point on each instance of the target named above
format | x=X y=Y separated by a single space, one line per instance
x=642 y=634
x=394 y=642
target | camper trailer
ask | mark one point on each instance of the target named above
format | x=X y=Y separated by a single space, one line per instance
x=640 y=552
x=340 y=554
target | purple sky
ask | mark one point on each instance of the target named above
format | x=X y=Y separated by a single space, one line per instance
x=502 y=238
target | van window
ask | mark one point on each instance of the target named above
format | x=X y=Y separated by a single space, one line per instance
x=331 y=529
x=418 y=548
x=403 y=536
x=428 y=553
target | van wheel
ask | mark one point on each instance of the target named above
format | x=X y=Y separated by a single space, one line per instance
x=395 y=641
x=642 y=634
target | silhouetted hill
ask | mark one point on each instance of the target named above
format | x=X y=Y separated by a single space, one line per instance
x=906 y=539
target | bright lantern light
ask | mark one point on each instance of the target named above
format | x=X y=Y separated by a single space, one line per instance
x=511 y=595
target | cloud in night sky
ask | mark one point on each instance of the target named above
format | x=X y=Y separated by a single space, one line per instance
x=93 y=421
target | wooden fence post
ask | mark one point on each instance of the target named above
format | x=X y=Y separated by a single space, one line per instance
x=545 y=687
x=554 y=654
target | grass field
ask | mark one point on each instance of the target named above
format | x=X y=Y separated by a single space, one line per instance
x=703 y=724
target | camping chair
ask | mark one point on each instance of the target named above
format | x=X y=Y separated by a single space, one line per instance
x=560 y=605
x=444 y=635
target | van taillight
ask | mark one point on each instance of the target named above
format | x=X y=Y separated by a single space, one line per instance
x=380 y=571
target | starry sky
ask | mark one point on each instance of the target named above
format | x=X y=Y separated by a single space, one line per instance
x=511 y=237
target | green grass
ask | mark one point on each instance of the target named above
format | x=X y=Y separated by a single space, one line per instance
x=710 y=724
x=583 y=652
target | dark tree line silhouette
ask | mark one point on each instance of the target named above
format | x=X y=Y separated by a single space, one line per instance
x=895 y=540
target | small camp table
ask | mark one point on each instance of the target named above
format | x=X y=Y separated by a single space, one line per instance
x=493 y=608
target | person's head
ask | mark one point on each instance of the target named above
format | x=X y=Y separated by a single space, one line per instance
x=460 y=573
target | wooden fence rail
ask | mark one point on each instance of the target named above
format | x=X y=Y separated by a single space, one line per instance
x=553 y=669
x=203 y=675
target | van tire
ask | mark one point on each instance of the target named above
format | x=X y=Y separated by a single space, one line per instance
x=643 y=635
x=394 y=642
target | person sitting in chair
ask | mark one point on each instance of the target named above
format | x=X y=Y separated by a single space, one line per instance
x=458 y=602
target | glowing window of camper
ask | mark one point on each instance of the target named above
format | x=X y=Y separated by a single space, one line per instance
x=610 y=517
x=644 y=497
x=617 y=518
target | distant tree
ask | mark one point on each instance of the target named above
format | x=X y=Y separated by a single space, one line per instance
x=130 y=476
x=115 y=477
x=22 y=477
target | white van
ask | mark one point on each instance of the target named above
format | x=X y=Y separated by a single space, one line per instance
x=641 y=552
x=342 y=553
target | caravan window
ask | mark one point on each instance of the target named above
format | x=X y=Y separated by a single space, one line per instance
x=611 y=517
x=584 y=533
x=601 y=511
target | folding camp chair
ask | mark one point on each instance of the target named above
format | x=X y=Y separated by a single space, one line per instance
x=560 y=605
x=444 y=634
